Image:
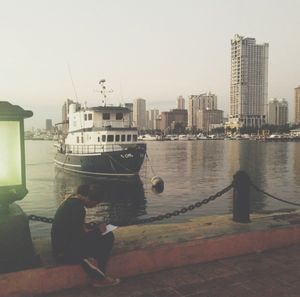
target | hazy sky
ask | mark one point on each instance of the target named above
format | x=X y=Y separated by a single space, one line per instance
x=156 y=50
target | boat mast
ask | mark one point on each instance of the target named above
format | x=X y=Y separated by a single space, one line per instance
x=104 y=91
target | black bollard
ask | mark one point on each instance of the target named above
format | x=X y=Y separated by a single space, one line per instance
x=241 y=197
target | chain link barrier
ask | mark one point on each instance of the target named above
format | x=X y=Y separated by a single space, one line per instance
x=272 y=196
x=168 y=215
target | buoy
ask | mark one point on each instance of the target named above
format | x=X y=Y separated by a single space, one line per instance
x=157 y=184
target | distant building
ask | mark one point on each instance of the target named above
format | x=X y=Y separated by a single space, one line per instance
x=130 y=107
x=249 y=82
x=152 y=115
x=297 y=105
x=180 y=103
x=139 y=113
x=209 y=117
x=49 y=126
x=65 y=112
x=173 y=117
x=200 y=102
x=278 y=112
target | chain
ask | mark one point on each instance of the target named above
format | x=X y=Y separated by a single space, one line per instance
x=183 y=210
x=272 y=196
x=151 y=219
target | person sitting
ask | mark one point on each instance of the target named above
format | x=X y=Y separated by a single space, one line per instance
x=73 y=241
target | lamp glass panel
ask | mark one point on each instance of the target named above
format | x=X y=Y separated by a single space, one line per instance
x=10 y=154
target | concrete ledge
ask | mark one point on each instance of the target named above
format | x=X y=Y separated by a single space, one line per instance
x=265 y=232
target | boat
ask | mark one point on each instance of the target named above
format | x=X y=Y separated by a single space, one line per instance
x=100 y=141
x=148 y=137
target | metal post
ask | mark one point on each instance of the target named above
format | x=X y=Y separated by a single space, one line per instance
x=241 y=197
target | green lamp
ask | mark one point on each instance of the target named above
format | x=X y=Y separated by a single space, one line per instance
x=12 y=153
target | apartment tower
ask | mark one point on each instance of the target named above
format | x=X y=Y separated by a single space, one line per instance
x=249 y=82
x=297 y=105
x=139 y=113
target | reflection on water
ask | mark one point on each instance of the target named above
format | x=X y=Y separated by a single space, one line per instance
x=191 y=170
x=125 y=200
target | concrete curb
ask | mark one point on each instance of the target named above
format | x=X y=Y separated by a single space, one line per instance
x=45 y=280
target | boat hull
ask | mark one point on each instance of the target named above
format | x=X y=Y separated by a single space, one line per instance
x=125 y=162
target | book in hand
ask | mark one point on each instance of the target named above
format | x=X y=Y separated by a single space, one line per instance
x=109 y=228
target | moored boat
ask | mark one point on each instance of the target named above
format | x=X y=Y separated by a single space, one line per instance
x=100 y=141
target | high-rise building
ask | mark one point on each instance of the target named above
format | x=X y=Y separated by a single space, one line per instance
x=49 y=125
x=65 y=112
x=277 y=112
x=173 y=117
x=180 y=103
x=297 y=105
x=130 y=107
x=139 y=113
x=249 y=82
x=152 y=115
x=200 y=102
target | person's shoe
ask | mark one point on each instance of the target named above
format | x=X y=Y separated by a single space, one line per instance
x=107 y=282
x=92 y=269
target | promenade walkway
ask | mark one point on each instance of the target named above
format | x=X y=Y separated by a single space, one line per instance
x=273 y=273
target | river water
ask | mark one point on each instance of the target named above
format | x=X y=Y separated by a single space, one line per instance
x=191 y=170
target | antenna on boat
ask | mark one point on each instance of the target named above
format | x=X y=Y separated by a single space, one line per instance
x=104 y=91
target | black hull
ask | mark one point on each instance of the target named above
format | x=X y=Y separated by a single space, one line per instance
x=127 y=162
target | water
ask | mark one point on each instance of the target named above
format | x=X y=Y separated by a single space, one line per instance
x=192 y=171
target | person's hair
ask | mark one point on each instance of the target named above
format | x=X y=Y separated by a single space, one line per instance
x=92 y=191
x=83 y=190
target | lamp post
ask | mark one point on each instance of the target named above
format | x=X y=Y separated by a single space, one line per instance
x=16 y=249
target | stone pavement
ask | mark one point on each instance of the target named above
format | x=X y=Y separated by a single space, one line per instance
x=273 y=273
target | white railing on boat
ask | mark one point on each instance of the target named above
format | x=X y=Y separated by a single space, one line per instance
x=92 y=149
x=115 y=124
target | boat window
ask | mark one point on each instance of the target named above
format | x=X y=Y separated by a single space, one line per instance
x=129 y=137
x=106 y=116
x=103 y=138
x=85 y=117
x=119 y=116
x=110 y=138
x=77 y=139
x=134 y=137
x=81 y=139
x=117 y=138
x=90 y=116
x=98 y=139
x=122 y=137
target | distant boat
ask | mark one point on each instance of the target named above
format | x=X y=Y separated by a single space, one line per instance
x=100 y=141
x=148 y=137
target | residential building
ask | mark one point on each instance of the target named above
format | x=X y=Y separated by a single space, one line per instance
x=130 y=107
x=152 y=115
x=180 y=103
x=200 y=102
x=172 y=118
x=208 y=117
x=49 y=126
x=139 y=114
x=297 y=105
x=278 y=112
x=249 y=82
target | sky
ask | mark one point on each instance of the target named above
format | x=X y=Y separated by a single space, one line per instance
x=156 y=50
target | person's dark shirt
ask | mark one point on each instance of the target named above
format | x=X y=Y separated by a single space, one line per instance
x=67 y=230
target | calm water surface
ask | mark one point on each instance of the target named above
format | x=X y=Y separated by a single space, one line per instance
x=192 y=171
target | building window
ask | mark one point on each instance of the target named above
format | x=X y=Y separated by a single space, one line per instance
x=110 y=138
x=90 y=116
x=134 y=137
x=106 y=116
x=119 y=116
x=117 y=138
x=129 y=137
x=122 y=137
x=103 y=138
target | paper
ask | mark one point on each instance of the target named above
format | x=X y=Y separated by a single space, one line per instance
x=109 y=228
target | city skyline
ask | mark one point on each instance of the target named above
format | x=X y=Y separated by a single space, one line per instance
x=154 y=50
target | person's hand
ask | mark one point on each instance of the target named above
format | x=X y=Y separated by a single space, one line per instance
x=102 y=227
